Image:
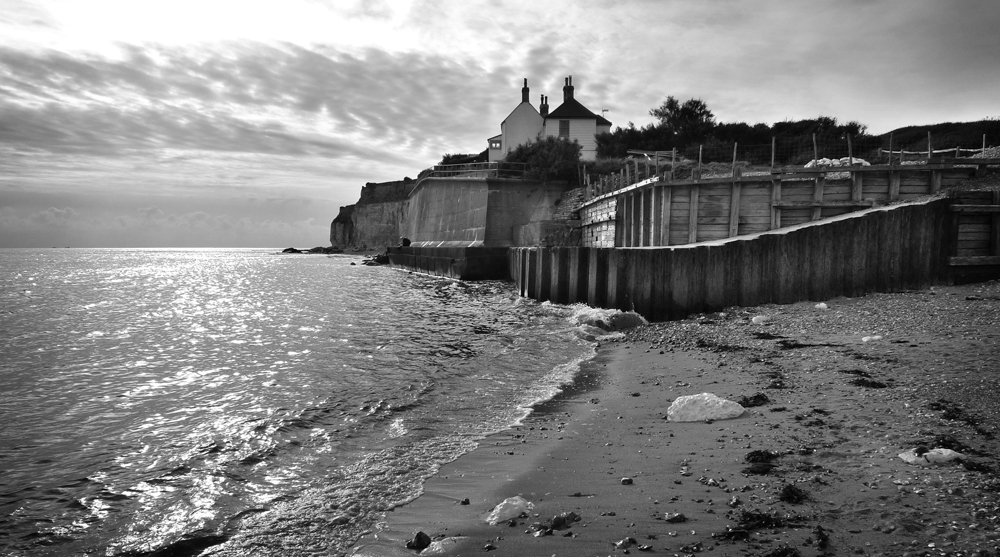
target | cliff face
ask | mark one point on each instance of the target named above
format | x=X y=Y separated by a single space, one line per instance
x=378 y=225
x=375 y=221
x=342 y=229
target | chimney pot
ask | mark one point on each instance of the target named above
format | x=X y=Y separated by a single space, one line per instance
x=524 y=91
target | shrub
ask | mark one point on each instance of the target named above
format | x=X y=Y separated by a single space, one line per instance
x=548 y=158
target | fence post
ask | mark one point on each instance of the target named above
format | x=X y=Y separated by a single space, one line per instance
x=815 y=150
x=774 y=144
x=673 y=162
x=735 y=143
x=850 y=151
x=700 y=147
x=890 y=148
x=929 y=150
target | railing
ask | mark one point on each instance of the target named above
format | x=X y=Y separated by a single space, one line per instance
x=733 y=160
x=496 y=169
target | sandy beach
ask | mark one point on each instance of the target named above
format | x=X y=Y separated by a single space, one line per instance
x=832 y=397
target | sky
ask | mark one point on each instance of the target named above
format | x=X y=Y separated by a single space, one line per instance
x=247 y=123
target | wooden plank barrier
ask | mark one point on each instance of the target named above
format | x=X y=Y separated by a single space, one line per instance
x=664 y=212
x=887 y=249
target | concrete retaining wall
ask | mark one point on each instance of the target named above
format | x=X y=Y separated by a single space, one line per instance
x=878 y=250
x=469 y=212
x=465 y=263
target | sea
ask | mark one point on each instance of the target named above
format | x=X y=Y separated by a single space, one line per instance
x=198 y=401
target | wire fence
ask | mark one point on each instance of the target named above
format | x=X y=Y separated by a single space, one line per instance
x=723 y=159
x=496 y=169
x=800 y=150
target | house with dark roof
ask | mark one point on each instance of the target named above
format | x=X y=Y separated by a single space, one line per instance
x=571 y=120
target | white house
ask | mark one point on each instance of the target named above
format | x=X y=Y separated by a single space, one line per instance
x=571 y=120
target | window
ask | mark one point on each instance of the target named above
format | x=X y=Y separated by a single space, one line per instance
x=495 y=144
x=564 y=128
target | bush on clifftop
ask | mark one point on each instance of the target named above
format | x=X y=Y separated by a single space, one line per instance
x=549 y=158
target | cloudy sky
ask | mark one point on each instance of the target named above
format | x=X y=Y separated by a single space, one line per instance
x=250 y=122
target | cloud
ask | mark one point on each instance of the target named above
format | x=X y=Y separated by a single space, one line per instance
x=275 y=99
x=152 y=214
x=277 y=115
x=54 y=216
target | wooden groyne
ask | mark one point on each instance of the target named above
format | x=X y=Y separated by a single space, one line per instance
x=907 y=246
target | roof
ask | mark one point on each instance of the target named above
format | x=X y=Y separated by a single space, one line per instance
x=572 y=109
x=515 y=110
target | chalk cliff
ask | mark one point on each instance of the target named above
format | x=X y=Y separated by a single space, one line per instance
x=375 y=221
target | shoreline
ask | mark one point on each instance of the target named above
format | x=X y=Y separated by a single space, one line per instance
x=840 y=411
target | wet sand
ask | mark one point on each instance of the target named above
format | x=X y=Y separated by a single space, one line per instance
x=814 y=470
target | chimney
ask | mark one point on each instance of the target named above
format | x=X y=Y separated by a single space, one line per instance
x=568 y=89
x=524 y=91
x=543 y=108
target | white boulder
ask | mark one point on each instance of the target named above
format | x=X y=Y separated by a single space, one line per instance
x=933 y=456
x=706 y=406
x=509 y=508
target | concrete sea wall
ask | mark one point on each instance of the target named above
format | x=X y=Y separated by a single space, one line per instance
x=472 y=212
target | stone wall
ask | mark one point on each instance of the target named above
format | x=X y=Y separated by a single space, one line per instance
x=598 y=222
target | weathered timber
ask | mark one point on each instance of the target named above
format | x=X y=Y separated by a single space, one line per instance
x=976 y=209
x=974 y=260
x=818 y=194
x=887 y=249
x=995 y=236
x=775 y=200
x=693 y=216
x=657 y=222
x=894 y=177
x=814 y=204
x=734 y=209
x=661 y=213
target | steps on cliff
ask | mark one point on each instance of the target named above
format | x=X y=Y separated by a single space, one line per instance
x=569 y=204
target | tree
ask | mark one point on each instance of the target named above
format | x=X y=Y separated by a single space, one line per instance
x=548 y=158
x=687 y=123
x=465 y=158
